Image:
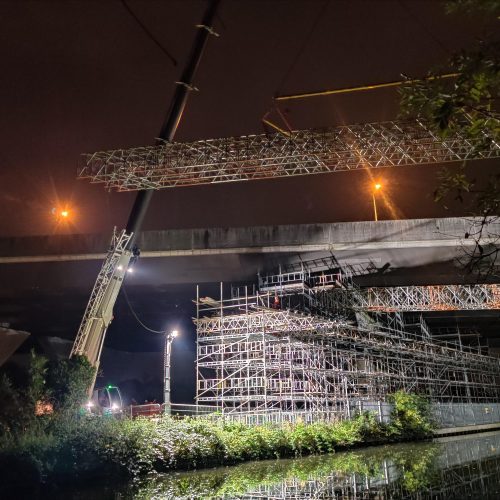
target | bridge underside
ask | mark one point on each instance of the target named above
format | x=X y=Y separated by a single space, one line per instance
x=47 y=280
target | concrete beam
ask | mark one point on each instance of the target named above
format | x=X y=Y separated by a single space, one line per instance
x=304 y=238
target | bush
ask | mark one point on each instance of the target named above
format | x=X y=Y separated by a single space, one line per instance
x=72 y=446
x=68 y=382
x=410 y=418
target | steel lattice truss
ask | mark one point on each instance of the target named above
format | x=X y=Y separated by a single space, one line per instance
x=421 y=298
x=277 y=364
x=99 y=310
x=305 y=152
x=334 y=290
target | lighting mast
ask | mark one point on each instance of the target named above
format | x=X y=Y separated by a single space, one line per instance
x=99 y=312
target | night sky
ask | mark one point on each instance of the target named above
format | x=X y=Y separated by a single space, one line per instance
x=82 y=76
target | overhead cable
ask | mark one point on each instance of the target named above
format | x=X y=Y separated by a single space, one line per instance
x=134 y=314
x=149 y=34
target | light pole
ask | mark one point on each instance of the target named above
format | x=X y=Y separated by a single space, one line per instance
x=169 y=337
x=376 y=187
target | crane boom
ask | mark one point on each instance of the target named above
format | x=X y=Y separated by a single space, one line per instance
x=99 y=311
x=267 y=156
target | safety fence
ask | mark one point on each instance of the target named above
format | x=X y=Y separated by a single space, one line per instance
x=448 y=415
x=445 y=415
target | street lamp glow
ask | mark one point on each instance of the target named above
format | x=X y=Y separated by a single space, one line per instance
x=376 y=187
x=175 y=333
x=61 y=214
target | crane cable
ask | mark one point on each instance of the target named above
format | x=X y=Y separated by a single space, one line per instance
x=426 y=28
x=149 y=34
x=303 y=45
x=134 y=314
x=267 y=122
x=326 y=92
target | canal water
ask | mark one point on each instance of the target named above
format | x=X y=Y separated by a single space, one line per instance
x=447 y=468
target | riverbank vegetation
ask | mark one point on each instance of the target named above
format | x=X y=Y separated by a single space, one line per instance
x=68 y=444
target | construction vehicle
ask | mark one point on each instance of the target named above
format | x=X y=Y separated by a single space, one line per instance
x=106 y=401
x=99 y=311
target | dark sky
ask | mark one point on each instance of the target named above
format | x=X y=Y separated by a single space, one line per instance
x=81 y=76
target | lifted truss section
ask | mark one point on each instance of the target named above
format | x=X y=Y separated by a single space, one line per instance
x=253 y=157
x=254 y=359
x=422 y=298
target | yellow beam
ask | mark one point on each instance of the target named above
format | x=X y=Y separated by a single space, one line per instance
x=358 y=89
x=279 y=129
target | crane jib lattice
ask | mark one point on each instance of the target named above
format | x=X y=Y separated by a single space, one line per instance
x=305 y=152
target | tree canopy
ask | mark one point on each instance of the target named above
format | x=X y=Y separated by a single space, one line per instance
x=468 y=103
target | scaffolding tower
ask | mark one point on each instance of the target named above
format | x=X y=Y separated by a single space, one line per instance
x=291 y=351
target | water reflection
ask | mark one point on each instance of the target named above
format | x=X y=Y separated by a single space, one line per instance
x=464 y=467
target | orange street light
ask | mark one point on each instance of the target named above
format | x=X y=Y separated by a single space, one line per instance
x=62 y=214
x=376 y=187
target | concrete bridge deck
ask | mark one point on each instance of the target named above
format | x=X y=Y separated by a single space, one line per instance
x=339 y=238
x=46 y=280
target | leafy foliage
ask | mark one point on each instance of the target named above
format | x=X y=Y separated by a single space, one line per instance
x=74 y=446
x=488 y=6
x=69 y=381
x=9 y=407
x=410 y=416
x=36 y=389
x=62 y=383
x=468 y=103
